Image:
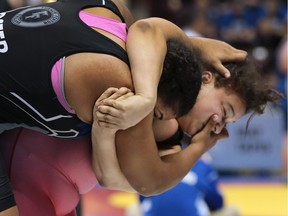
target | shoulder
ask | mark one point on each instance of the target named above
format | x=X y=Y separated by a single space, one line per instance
x=88 y=75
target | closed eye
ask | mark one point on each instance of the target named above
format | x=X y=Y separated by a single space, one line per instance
x=224 y=113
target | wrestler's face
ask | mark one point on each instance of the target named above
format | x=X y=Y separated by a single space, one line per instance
x=228 y=106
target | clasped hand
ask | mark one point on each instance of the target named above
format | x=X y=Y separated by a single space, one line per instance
x=121 y=108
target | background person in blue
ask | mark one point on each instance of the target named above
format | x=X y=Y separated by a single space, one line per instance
x=197 y=194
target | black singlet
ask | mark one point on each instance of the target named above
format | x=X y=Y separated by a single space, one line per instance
x=32 y=39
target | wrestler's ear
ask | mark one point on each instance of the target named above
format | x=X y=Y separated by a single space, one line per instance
x=207 y=77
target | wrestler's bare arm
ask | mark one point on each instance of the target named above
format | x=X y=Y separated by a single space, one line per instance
x=108 y=171
x=104 y=159
x=150 y=174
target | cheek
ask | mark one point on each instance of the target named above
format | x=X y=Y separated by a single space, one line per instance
x=204 y=110
x=207 y=106
x=201 y=109
x=189 y=123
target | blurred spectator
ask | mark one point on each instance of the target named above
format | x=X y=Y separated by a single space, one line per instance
x=169 y=9
x=237 y=25
x=198 y=25
x=272 y=27
x=205 y=8
x=253 y=12
x=197 y=194
x=140 y=8
x=199 y=18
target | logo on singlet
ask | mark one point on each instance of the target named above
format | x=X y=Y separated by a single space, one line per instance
x=36 y=17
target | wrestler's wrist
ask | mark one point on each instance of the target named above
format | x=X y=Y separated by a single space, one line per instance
x=97 y=130
x=149 y=101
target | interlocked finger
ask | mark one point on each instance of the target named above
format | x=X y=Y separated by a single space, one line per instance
x=109 y=110
x=102 y=117
x=106 y=94
x=121 y=91
x=117 y=103
x=107 y=118
x=107 y=125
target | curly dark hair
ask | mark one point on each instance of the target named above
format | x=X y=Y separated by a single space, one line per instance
x=180 y=81
x=247 y=82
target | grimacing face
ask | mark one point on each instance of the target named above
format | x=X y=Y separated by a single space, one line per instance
x=228 y=106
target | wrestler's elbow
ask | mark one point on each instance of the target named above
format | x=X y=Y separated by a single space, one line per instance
x=115 y=185
x=143 y=25
x=144 y=186
x=113 y=181
x=150 y=187
x=102 y=182
x=105 y=181
x=149 y=191
x=102 y=179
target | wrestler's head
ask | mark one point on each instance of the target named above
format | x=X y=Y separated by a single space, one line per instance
x=180 y=81
x=229 y=99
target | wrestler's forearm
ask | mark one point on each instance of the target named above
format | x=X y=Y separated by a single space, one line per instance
x=147 y=47
x=141 y=164
x=139 y=160
x=105 y=163
x=149 y=175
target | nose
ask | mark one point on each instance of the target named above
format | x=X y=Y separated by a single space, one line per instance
x=219 y=127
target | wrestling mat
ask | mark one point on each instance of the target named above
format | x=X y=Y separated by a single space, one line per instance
x=252 y=198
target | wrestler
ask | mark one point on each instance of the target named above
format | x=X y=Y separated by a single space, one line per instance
x=36 y=94
x=55 y=172
x=223 y=100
